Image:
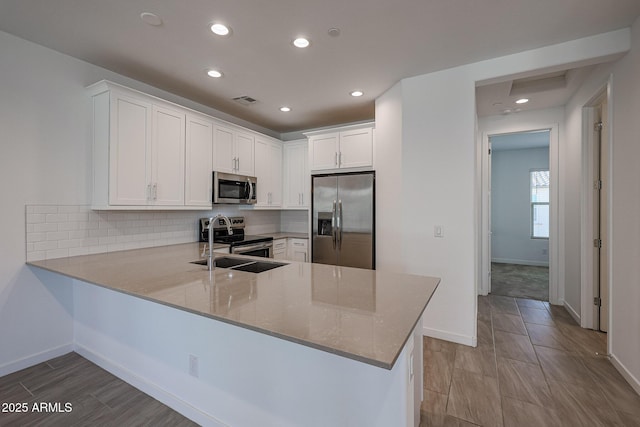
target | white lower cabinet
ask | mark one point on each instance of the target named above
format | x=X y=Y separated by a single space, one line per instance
x=280 y=249
x=298 y=250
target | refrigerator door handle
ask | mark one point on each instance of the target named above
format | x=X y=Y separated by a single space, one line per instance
x=333 y=225
x=339 y=223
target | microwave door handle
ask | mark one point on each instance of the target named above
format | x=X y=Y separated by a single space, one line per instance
x=250 y=189
x=333 y=224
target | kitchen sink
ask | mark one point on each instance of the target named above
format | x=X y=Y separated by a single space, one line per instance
x=242 y=264
x=258 y=266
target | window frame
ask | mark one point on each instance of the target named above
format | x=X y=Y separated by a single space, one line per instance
x=533 y=204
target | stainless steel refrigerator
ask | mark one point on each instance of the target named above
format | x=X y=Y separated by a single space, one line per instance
x=344 y=219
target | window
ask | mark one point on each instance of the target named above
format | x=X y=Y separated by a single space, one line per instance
x=539 y=204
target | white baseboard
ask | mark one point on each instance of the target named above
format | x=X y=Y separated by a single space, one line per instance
x=148 y=387
x=521 y=262
x=572 y=312
x=450 y=336
x=29 y=361
x=631 y=379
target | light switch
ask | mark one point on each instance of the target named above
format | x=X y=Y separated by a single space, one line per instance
x=437 y=231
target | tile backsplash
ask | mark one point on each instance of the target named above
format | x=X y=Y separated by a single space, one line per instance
x=57 y=231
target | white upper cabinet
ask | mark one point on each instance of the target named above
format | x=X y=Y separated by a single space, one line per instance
x=356 y=148
x=269 y=173
x=233 y=151
x=296 y=175
x=138 y=150
x=199 y=161
x=324 y=151
x=350 y=147
x=167 y=151
x=125 y=158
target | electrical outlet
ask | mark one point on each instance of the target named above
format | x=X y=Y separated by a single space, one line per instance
x=437 y=231
x=193 y=365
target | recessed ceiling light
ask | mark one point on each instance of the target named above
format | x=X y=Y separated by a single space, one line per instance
x=357 y=93
x=522 y=101
x=301 y=42
x=214 y=73
x=285 y=109
x=151 y=19
x=220 y=29
x=334 y=32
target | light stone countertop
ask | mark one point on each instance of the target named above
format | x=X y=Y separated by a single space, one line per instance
x=361 y=314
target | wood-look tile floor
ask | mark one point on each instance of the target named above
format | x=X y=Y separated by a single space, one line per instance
x=533 y=366
x=97 y=397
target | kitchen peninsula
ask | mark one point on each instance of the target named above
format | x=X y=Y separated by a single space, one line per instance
x=206 y=343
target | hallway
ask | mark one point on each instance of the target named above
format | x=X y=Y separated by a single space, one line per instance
x=533 y=366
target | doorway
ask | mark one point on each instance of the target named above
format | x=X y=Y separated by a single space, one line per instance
x=597 y=225
x=519 y=214
x=544 y=246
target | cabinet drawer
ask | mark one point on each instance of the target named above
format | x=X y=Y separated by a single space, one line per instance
x=299 y=243
x=280 y=244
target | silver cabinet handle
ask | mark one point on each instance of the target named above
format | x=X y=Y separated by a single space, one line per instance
x=333 y=224
x=148 y=191
x=340 y=159
x=155 y=191
x=336 y=159
x=237 y=163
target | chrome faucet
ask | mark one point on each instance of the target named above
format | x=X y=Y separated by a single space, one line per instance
x=210 y=262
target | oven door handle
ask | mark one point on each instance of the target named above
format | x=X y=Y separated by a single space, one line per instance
x=247 y=248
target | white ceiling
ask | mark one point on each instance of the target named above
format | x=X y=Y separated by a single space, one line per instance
x=381 y=42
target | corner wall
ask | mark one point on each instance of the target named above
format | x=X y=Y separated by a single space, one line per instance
x=438 y=164
x=624 y=340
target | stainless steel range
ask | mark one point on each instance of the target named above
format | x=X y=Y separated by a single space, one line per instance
x=240 y=243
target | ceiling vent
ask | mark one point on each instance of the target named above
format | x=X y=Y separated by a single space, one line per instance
x=541 y=83
x=245 y=100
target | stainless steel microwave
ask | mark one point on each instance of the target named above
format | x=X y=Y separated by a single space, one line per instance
x=230 y=188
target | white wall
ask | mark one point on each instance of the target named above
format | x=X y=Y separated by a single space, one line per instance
x=388 y=155
x=45 y=158
x=624 y=340
x=511 y=240
x=439 y=171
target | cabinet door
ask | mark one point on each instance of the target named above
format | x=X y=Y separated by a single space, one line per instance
x=298 y=250
x=280 y=249
x=263 y=172
x=129 y=151
x=276 y=173
x=324 y=151
x=168 y=157
x=244 y=150
x=199 y=162
x=356 y=148
x=223 y=152
x=296 y=174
